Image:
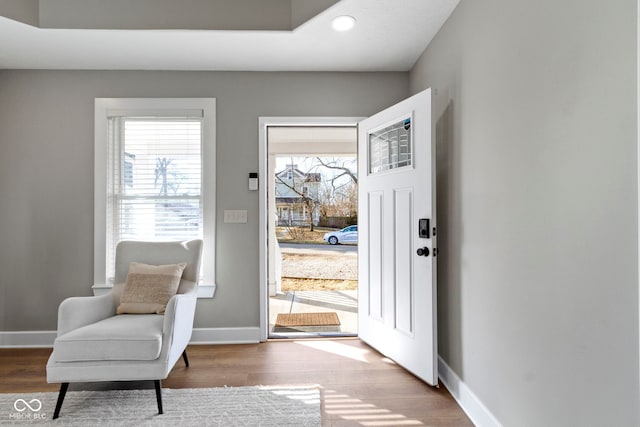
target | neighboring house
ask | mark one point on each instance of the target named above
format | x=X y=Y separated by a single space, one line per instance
x=297 y=196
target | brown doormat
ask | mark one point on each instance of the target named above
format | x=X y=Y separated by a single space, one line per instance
x=307 y=319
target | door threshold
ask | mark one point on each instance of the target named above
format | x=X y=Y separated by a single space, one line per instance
x=305 y=335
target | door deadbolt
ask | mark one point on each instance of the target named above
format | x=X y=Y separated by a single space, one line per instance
x=423 y=251
x=423 y=228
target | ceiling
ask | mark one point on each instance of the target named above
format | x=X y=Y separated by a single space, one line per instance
x=311 y=141
x=389 y=35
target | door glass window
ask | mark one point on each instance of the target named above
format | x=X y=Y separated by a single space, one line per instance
x=390 y=147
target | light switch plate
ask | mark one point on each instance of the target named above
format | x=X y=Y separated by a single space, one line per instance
x=235 y=216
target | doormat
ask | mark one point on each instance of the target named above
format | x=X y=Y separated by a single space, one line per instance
x=307 y=319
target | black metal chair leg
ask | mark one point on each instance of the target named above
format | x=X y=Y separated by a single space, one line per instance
x=159 y=396
x=61 y=394
x=184 y=356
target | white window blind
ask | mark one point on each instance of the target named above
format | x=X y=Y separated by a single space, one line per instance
x=154 y=180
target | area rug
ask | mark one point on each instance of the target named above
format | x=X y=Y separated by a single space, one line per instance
x=222 y=406
x=307 y=319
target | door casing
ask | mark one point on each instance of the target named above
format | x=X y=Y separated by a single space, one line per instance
x=263 y=124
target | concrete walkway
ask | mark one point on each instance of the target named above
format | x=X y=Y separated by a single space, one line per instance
x=319 y=262
x=343 y=303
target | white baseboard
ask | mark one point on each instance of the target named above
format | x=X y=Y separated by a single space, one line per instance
x=225 y=335
x=468 y=401
x=26 y=339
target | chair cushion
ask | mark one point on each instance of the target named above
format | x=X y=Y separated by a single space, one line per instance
x=125 y=337
x=149 y=287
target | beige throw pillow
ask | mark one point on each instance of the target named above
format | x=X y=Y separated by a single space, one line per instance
x=150 y=287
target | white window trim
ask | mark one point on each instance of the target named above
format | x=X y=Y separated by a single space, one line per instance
x=156 y=107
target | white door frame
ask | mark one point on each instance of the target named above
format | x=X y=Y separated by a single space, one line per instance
x=263 y=124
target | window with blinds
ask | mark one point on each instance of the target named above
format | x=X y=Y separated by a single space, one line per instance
x=154 y=180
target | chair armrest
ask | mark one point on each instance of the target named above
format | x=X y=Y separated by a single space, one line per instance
x=76 y=312
x=178 y=322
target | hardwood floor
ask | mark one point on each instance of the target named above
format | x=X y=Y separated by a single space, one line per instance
x=358 y=385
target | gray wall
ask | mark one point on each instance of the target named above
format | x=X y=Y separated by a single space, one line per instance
x=154 y=14
x=46 y=174
x=26 y=11
x=537 y=207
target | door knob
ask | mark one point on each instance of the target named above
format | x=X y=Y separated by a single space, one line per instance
x=423 y=251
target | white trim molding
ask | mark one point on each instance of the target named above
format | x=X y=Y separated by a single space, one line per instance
x=247 y=335
x=263 y=152
x=205 y=290
x=159 y=107
x=468 y=401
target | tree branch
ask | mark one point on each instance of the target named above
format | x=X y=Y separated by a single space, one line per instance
x=344 y=169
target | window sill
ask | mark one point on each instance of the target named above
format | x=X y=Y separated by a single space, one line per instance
x=205 y=290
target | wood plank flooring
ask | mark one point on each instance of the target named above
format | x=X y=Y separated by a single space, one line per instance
x=359 y=386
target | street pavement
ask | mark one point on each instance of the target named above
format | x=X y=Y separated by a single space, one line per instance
x=318 y=249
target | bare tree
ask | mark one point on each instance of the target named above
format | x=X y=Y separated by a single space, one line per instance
x=339 y=166
x=162 y=170
x=170 y=178
x=338 y=200
x=336 y=196
x=339 y=197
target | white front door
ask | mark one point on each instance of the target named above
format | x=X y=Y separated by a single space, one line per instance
x=397 y=287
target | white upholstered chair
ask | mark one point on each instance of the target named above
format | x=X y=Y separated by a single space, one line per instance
x=96 y=344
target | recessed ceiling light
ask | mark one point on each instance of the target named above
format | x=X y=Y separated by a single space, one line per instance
x=343 y=23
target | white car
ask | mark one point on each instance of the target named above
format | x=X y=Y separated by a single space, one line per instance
x=346 y=235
